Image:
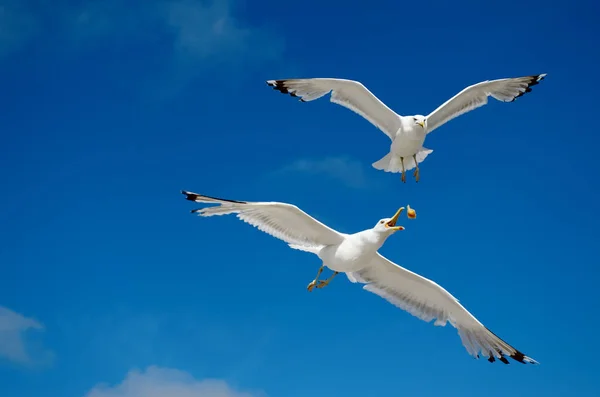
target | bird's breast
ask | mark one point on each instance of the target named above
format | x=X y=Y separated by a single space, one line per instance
x=346 y=257
x=408 y=142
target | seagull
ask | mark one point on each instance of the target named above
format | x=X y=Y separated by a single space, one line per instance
x=406 y=132
x=356 y=255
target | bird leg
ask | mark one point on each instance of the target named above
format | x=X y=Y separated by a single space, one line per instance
x=403 y=171
x=416 y=173
x=313 y=283
x=324 y=283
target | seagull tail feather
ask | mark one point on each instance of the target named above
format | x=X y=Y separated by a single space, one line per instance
x=383 y=163
x=391 y=162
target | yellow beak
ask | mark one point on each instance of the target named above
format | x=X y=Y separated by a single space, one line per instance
x=421 y=123
x=392 y=222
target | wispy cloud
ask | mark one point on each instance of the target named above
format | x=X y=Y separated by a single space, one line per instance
x=14 y=342
x=207 y=35
x=346 y=170
x=17 y=25
x=209 y=29
x=160 y=382
x=98 y=20
x=187 y=37
x=198 y=29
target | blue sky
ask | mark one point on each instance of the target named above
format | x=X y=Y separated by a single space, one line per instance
x=110 y=287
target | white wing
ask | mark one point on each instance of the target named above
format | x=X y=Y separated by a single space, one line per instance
x=283 y=221
x=348 y=93
x=472 y=97
x=427 y=300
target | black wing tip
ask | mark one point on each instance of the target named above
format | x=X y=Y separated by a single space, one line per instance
x=492 y=358
x=189 y=195
x=279 y=85
x=194 y=197
x=522 y=358
x=534 y=80
x=517 y=355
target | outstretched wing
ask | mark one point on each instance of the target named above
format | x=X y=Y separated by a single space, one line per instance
x=348 y=93
x=427 y=300
x=281 y=220
x=472 y=97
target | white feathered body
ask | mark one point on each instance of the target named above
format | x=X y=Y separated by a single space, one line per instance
x=406 y=133
x=409 y=139
x=406 y=143
x=354 y=253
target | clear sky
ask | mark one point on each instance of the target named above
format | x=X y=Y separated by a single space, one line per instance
x=109 y=286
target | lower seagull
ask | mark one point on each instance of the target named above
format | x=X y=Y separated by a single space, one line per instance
x=356 y=255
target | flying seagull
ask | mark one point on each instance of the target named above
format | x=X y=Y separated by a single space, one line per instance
x=406 y=132
x=356 y=255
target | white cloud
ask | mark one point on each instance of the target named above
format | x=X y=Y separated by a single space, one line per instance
x=165 y=382
x=14 y=344
x=207 y=35
x=349 y=171
x=197 y=30
x=208 y=29
x=191 y=36
x=95 y=19
x=17 y=25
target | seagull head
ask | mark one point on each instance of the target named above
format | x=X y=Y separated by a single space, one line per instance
x=388 y=225
x=420 y=120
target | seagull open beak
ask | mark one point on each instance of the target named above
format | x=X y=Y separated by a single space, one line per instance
x=421 y=123
x=392 y=222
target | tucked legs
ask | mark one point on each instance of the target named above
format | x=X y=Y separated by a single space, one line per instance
x=403 y=171
x=416 y=173
x=326 y=282
x=313 y=283
x=320 y=283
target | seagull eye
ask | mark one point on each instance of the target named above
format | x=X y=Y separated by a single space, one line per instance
x=380 y=221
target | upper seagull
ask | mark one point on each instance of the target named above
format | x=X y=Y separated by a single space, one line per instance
x=356 y=255
x=406 y=132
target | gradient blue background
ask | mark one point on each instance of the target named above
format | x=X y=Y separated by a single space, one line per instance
x=99 y=136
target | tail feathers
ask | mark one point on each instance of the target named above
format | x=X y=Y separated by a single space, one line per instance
x=491 y=346
x=383 y=163
x=392 y=163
